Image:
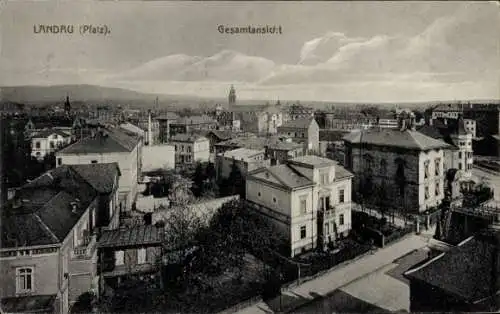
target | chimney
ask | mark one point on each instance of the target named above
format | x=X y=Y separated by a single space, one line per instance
x=150 y=135
x=403 y=124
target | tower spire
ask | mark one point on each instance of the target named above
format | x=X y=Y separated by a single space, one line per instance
x=231 y=97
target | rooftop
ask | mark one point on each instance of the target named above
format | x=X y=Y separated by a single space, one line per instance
x=290 y=177
x=195 y=120
x=254 y=142
x=104 y=141
x=408 y=139
x=302 y=123
x=132 y=128
x=100 y=176
x=222 y=135
x=314 y=161
x=189 y=138
x=465 y=271
x=242 y=153
x=168 y=116
x=49 y=132
x=139 y=236
x=42 y=211
x=41 y=122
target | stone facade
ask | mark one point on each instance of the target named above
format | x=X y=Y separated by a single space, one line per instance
x=383 y=165
x=310 y=215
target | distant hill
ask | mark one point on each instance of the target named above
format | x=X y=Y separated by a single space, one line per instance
x=92 y=94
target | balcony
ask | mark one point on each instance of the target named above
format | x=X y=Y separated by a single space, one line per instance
x=329 y=213
x=86 y=249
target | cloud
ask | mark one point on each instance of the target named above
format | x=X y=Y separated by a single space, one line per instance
x=320 y=49
x=454 y=48
x=226 y=65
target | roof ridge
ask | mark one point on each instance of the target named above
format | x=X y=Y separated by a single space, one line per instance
x=276 y=176
x=415 y=139
x=46 y=227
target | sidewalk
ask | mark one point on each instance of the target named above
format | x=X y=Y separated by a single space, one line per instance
x=340 y=277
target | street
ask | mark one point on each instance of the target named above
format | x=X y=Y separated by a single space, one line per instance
x=383 y=291
x=353 y=279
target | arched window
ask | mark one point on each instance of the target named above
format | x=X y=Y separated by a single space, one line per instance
x=400 y=177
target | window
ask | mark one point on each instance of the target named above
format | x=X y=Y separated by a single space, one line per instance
x=188 y=149
x=52 y=145
x=303 y=206
x=119 y=256
x=141 y=256
x=426 y=192
x=274 y=199
x=438 y=190
x=383 y=167
x=437 y=167
x=24 y=280
x=37 y=145
x=59 y=161
x=303 y=232
x=341 y=196
x=93 y=161
x=459 y=166
x=324 y=178
x=327 y=227
x=259 y=194
x=327 y=203
x=341 y=219
x=426 y=169
x=459 y=154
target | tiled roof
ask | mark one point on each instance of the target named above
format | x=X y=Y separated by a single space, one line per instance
x=465 y=271
x=314 y=161
x=298 y=123
x=289 y=176
x=42 y=211
x=195 y=120
x=104 y=141
x=331 y=135
x=47 y=133
x=341 y=173
x=278 y=145
x=132 y=128
x=191 y=138
x=254 y=142
x=145 y=235
x=407 y=139
x=222 y=135
x=242 y=153
x=41 y=122
x=100 y=176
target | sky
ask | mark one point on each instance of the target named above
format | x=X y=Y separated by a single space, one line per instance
x=327 y=51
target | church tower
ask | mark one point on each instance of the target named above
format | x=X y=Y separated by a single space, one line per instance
x=231 y=98
x=67 y=106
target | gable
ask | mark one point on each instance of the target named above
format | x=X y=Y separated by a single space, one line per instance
x=268 y=176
